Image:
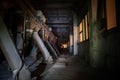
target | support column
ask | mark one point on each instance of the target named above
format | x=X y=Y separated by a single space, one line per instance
x=71 y=40
x=93 y=32
x=96 y=39
x=71 y=44
x=75 y=33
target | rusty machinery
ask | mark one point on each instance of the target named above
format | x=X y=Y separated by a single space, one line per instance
x=33 y=38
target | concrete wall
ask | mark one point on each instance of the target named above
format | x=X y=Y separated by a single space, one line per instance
x=103 y=50
x=112 y=49
x=83 y=50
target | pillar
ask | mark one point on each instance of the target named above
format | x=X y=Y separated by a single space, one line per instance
x=71 y=40
x=75 y=34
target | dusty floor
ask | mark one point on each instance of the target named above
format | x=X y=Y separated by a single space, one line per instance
x=74 y=68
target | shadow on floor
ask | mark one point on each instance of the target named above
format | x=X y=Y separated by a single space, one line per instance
x=74 y=68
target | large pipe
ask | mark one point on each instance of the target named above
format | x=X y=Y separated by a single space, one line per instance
x=52 y=49
x=10 y=52
x=55 y=48
x=42 y=47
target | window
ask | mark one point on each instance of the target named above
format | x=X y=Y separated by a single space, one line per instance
x=111 y=14
x=86 y=19
x=83 y=29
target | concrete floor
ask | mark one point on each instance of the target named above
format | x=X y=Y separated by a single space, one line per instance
x=75 y=68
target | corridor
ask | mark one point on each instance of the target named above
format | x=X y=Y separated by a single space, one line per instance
x=75 y=68
x=59 y=39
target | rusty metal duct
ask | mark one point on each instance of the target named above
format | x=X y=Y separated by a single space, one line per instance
x=12 y=55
